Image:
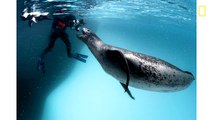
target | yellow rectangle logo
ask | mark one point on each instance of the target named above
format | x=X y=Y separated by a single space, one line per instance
x=202 y=11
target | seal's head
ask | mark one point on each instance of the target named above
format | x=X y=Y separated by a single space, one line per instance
x=87 y=36
x=86 y=31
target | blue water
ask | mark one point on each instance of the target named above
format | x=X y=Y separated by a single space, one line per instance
x=162 y=28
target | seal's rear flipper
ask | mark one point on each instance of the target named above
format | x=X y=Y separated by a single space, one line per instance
x=118 y=59
x=128 y=91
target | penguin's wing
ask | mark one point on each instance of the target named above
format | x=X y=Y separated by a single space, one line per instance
x=34 y=20
x=117 y=58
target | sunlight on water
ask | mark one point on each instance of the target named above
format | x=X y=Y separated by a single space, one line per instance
x=135 y=8
x=178 y=10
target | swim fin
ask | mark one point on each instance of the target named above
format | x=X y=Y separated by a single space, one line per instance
x=40 y=64
x=82 y=55
x=79 y=57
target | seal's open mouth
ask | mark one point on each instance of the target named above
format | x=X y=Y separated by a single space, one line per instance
x=84 y=30
x=83 y=35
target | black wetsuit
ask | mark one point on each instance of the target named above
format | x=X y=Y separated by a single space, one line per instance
x=59 y=25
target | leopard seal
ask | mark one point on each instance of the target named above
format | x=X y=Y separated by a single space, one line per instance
x=136 y=69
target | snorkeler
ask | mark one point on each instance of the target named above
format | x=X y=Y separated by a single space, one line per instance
x=59 y=25
x=34 y=17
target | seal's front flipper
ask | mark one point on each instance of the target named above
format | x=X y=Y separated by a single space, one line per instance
x=118 y=59
x=128 y=91
x=40 y=64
